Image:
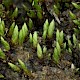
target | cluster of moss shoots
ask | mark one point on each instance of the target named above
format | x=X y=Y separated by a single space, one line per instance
x=17 y=37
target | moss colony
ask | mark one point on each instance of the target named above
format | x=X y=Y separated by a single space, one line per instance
x=39 y=40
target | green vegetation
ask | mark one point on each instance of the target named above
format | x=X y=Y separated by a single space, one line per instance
x=1 y=76
x=25 y=69
x=50 y=35
x=2 y=54
x=5 y=44
x=14 y=67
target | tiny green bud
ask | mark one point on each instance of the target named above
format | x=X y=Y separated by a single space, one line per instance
x=76 y=5
x=5 y=44
x=61 y=37
x=15 y=13
x=74 y=40
x=39 y=51
x=1 y=30
x=3 y=24
x=1 y=76
x=77 y=22
x=30 y=24
x=51 y=29
x=44 y=34
x=2 y=54
x=72 y=16
x=39 y=15
x=49 y=56
x=70 y=51
x=23 y=66
x=14 y=67
x=15 y=35
x=58 y=48
x=69 y=42
x=45 y=29
x=11 y=29
x=44 y=49
x=25 y=30
x=35 y=39
x=23 y=33
x=46 y=25
x=21 y=37
x=57 y=35
x=55 y=55
x=76 y=31
x=30 y=38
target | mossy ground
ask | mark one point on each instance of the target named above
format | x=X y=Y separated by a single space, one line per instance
x=44 y=69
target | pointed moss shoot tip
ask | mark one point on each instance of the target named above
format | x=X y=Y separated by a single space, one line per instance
x=2 y=54
x=35 y=39
x=44 y=50
x=30 y=38
x=30 y=24
x=59 y=36
x=15 y=35
x=15 y=13
x=62 y=37
x=45 y=29
x=23 y=33
x=5 y=44
x=58 y=48
x=39 y=15
x=51 y=29
x=11 y=29
x=75 y=41
x=1 y=29
x=77 y=22
x=69 y=50
x=21 y=37
x=3 y=24
x=44 y=34
x=69 y=41
x=39 y=51
x=14 y=67
x=56 y=56
x=72 y=16
x=77 y=6
x=1 y=76
x=46 y=25
x=25 y=30
x=25 y=69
